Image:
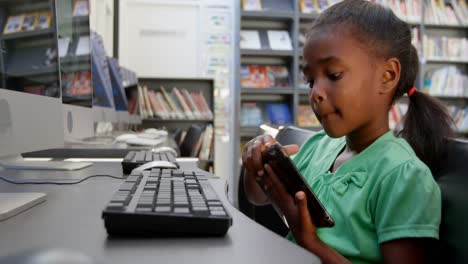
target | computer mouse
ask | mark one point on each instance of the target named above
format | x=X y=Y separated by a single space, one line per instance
x=165 y=149
x=161 y=164
x=125 y=137
x=144 y=142
x=155 y=131
x=48 y=256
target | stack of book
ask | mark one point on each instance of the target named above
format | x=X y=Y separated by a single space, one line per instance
x=316 y=6
x=254 y=114
x=446 y=12
x=460 y=117
x=445 y=48
x=446 y=81
x=260 y=76
x=306 y=117
x=406 y=10
x=274 y=40
x=176 y=104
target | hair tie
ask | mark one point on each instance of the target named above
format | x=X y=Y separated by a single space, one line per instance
x=411 y=91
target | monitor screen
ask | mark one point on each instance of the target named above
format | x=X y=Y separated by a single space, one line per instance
x=30 y=103
x=118 y=91
x=102 y=92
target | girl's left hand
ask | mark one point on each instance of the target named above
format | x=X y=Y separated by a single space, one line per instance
x=295 y=209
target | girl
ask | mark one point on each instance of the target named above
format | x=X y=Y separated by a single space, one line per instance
x=376 y=186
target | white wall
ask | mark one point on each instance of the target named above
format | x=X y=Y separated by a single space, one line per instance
x=102 y=21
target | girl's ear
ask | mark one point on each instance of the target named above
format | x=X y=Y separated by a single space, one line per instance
x=390 y=76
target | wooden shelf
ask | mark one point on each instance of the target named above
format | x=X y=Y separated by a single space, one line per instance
x=307 y=16
x=278 y=90
x=52 y=70
x=446 y=60
x=152 y=120
x=267 y=53
x=26 y=34
x=268 y=15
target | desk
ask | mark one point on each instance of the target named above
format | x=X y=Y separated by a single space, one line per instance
x=83 y=150
x=71 y=218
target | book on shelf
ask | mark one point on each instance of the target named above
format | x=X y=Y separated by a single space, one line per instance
x=445 y=48
x=63 y=45
x=173 y=104
x=279 y=113
x=83 y=47
x=44 y=20
x=446 y=12
x=35 y=89
x=252 y=5
x=279 y=40
x=196 y=112
x=406 y=10
x=29 y=22
x=183 y=102
x=460 y=117
x=207 y=143
x=250 y=39
x=13 y=24
x=81 y=8
x=448 y=81
x=321 y=5
x=307 y=6
x=306 y=116
x=132 y=103
x=82 y=83
x=262 y=76
x=251 y=115
x=395 y=115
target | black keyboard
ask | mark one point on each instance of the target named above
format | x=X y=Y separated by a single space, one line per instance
x=135 y=159
x=166 y=202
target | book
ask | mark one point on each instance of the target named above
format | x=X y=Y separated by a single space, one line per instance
x=306 y=116
x=81 y=8
x=279 y=113
x=279 y=40
x=205 y=105
x=321 y=5
x=82 y=84
x=141 y=103
x=83 y=47
x=205 y=149
x=251 y=115
x=250 y=39
x=171 y=103
x=44 y=20
x=13 y=24
x=187 y=111
x=255 y=76
x=192 y=104
x=29 y=22
x=63 y=45
x=35 y=89
x=251 y=5
x=307 y=6
x=148 y=107
x=278 y=76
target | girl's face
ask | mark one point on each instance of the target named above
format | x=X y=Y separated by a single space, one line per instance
x=343 y=77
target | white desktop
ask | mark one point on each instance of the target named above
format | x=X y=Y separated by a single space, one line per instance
x=27 y=123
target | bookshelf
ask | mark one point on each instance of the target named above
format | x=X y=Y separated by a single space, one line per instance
x=287 y=15
x=27 y=62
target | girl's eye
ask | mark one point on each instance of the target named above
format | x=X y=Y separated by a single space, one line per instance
x=335 y=76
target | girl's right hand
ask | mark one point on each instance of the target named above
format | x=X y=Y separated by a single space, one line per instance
x=254 y=167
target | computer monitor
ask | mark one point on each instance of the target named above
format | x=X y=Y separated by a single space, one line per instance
x=75 y=66
x=103 y=101
x=118 y=92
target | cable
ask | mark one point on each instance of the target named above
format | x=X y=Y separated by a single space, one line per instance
x=63 y=183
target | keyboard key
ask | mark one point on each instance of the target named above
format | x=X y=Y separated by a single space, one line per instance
x=181 y=210
x=218 y=213
x=161 y=209
x=129 y=156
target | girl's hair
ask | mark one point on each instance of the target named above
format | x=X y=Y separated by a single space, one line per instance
x=427 y=124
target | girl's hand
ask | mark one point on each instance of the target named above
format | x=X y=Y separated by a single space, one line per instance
x=295 y=209
x=254 y=170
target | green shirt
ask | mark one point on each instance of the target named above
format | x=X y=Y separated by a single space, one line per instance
x=383 y=193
